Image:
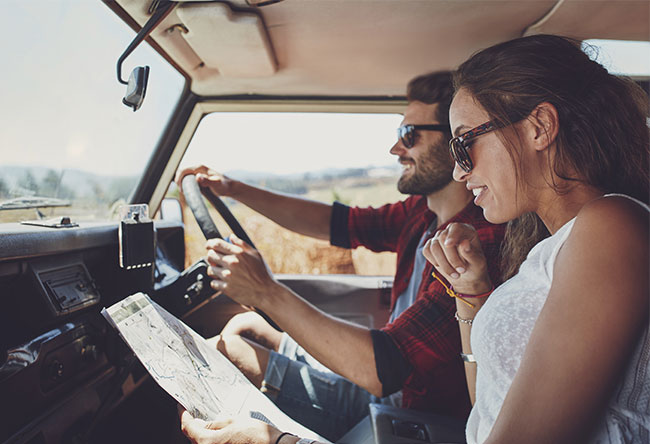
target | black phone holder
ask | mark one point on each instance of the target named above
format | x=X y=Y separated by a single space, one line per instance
x=136 y=237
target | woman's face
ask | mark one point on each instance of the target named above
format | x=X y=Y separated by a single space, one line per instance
x=492 y=180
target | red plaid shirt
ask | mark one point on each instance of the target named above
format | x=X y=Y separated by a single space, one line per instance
x=426 y=333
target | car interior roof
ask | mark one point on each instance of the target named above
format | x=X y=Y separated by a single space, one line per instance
x=358 y=48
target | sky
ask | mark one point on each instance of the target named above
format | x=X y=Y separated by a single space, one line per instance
x=62 y=104
x=289 y=143
x=61 y=98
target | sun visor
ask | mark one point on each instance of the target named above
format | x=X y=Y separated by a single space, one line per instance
x=235 y=43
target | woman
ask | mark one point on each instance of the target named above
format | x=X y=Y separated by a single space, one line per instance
x=562 y=348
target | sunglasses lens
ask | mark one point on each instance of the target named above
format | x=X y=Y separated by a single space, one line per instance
x=405 y=134
x=460 y=155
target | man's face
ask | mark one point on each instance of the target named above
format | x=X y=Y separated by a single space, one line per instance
x=428 y=165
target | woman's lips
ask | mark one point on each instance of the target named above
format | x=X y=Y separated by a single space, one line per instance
x=478 y=194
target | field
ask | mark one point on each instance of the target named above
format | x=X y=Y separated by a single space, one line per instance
x=288 y=252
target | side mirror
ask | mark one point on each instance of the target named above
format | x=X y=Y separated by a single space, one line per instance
x=136 y=88
x=171 y=210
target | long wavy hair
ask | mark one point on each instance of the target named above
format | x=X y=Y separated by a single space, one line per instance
x=603 y=138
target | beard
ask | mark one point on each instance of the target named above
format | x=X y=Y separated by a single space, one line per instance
x=432 y=172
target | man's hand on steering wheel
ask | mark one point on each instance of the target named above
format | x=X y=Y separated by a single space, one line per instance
x=239 y=270
x=253 y=271
x=207 y=178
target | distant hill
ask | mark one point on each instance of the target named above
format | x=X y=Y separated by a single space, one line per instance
x=71 y=183
x=17 y=180
x=255 y=176
x=302 y=183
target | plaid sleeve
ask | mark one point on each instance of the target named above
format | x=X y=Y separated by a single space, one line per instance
x=339 y=235
x=428 y=337
x=426 y=332
x=377 y=229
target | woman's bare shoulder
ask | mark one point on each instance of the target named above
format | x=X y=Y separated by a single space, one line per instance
x=614 y=218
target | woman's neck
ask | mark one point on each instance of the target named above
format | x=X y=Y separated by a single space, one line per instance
x=556 y=209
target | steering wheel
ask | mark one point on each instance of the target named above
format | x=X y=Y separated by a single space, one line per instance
x=194 y=200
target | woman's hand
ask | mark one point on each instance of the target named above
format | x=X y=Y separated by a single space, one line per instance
x=456 y=253
x=227 y=430
x=239 y=270
x=207 y=178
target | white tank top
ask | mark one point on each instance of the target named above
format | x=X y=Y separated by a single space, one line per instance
x=501 y=332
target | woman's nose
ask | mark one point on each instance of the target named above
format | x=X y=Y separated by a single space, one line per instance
x=459 y=174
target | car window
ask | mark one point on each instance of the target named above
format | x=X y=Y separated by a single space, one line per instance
x=327 y=157
x=629 y=58
x=69 y=145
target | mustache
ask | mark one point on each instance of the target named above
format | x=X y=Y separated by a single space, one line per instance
x=405 y=159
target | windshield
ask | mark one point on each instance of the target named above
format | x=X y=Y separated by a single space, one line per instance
x=69 y=145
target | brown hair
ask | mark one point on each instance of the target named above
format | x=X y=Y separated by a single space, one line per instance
x=434 y=87
x=603 y=137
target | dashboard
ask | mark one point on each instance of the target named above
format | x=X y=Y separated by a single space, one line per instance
x=62 y=367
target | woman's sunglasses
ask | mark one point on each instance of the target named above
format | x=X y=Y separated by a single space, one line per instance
x=406 y=133
x=458 y=145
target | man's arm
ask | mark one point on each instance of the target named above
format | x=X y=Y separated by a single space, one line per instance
x=343 y=347
x=297 y=214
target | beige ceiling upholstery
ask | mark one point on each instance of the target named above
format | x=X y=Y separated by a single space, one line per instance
x=613 y=19
x=361 y=47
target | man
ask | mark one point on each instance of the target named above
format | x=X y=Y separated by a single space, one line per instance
x=417 y=353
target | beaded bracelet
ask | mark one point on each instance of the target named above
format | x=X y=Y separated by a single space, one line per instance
x=464 y=321
x=450 y=291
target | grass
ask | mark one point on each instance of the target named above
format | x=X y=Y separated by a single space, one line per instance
x=288 y=252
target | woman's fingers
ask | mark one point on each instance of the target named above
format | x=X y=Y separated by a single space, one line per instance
x=455 y=250
x=449 y=246
x=438 y=257
x=472 y=252
x=466 y=243
x=426 y=251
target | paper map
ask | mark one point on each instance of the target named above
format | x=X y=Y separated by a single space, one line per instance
x=197 y=375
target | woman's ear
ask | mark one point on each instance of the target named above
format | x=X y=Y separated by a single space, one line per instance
x=545 y=122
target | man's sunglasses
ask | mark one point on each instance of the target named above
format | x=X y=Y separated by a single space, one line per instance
x=458 y=145
x=406 y=133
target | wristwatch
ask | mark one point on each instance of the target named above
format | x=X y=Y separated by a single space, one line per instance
x=306 y=441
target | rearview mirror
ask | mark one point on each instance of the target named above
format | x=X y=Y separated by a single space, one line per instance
x=136 y=87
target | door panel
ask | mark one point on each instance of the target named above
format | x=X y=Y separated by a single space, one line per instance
x=361 y=299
